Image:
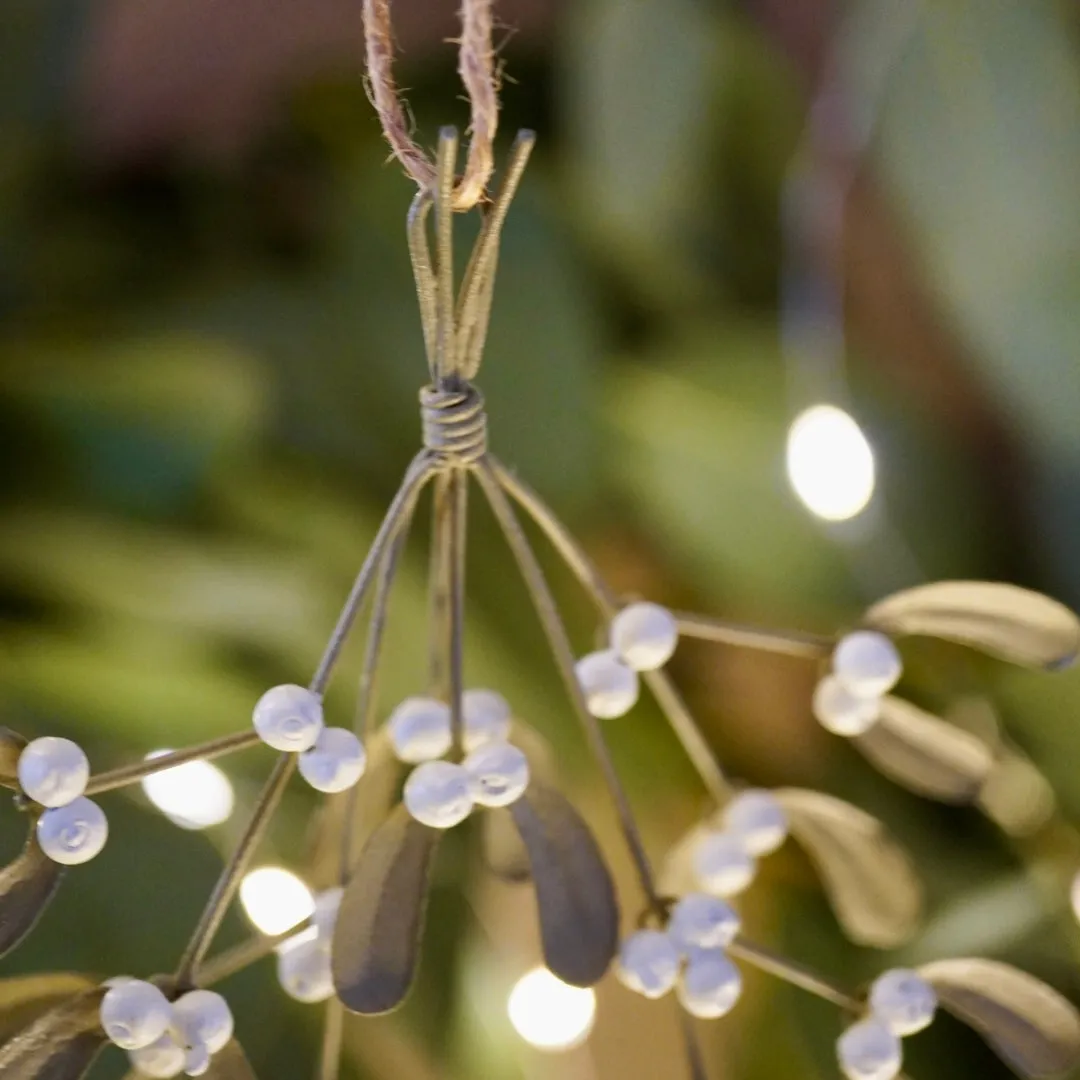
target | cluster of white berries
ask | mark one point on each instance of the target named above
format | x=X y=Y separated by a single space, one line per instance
x=901 y=1003
x=165 y=1038
x=303 y=961
x=440 y=793
x=688 y=955
x=54 y=772
x=753 y=824
x=865 y=667
x=290 y=718
x=643 y=637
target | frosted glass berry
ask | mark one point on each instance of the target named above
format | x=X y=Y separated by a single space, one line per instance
x=439 y=794
x=610 y=686
x=53 y=771
x=420 y=730
x=162 y=1059
x=289 y=718
x=842 y=712
x=204 y=1017
x=135 y=1014
x=868 y=1050
x=486 y=715
x=327 y=905
x=498 y=773
x=644 y=636
x=867 y=663
x=700 y=921
x=648 y=963
x=723 y=865
x=197 y=1060
x=74 y=833
x=710 y=984
x=758 y=820
x=335 y=762
x=303 y=968
x=903 y=1000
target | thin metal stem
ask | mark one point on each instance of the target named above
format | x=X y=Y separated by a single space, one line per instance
x=795 y=974
x=557 y=637
x=418 y=473
x=474 y=303
x=424 y=276
x=330 y=1051
x=787 y=642
x=459 y=495
x=229 y=880
x=239 y=957
x=131 y=774
x=692 y=1047
x=668 y=698
x=446 y=159
x=439 y=591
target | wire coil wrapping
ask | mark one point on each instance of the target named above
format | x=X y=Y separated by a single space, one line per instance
x=454 y=424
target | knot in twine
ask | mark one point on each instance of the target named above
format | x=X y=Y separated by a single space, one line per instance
x=454 y=423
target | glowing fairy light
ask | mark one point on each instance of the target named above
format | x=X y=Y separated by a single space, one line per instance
x=550 y=1014
x=829 y=463
x=275 y=899
x=195 y=795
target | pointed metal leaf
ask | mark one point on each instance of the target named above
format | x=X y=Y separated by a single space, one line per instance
x=1028 y=1024
x=377 y=936
x=1004 y=620
x=575 y=897
x=25 y=997
x=867 y=876
x=925 y=754
x=12 y=745
x=26 y=887
x=61 y=1044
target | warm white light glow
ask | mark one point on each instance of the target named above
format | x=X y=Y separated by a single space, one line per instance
x=549 y=1014
x=275 y=900
x=830 y=463
x=195 y=795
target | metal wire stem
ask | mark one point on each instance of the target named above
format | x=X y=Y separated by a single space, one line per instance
x=445 y=358
x=786 y=642
x=795 y=974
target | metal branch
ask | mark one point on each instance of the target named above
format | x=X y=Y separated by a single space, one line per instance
x=795 y=974
x=423 y=274
x=329 y=1066
x=456 y=539
x=786 y=642
x=445 y=359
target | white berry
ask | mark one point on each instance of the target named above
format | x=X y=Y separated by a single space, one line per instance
x=710 y=985
x=498 y=773
x=648 y=963
x=335 y=762
x=867 y=663
x=486 y=715
x=197 y=1060
x=303 y=968
x=700 y=921
x=162 y=1059
x=327 y=905
x=610 y=686
x=758 y=820
x=439 y=794
x=723 y=865
x=840 y=711
x=135 y=1014
x=204 y=1017
x=74 y=833
x=868 y=1050
x=53 y=771
x=903 y=1000
x=289 y=718
x=420 y=729
x=644 y=636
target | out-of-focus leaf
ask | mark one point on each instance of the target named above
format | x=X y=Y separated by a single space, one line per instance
x=230 y=1063
x=1030 y=1025
x=504 y=852
x=868 y=877
x=575 y=896
x=11 y=747
x=377 y=935
x=925 y=754
x=1004 y=620
x=26 y=887
x=677 y=875
x=24 y=998
x=61 y=1044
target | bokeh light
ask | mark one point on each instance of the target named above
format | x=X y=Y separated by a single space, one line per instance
x=195 y=795
x=550 y=1014
x=830 y=463
x=275 y=899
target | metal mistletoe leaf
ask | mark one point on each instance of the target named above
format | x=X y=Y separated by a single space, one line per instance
x=575 y=896
x=1029 y=1025
x=926 y=755
x=1004 y=620
x=12 y=745
x=26 y=887
x=25 y=997
x=867 y=876
x=61 y=1044
x=377 y=936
